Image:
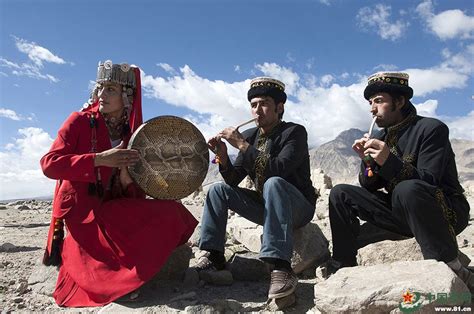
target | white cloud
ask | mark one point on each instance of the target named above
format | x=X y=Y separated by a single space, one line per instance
x=283 y=74
x=168 y=68
x=37 y=55
x=378 y=18
x=20 y=171
x=448 y=24
x=325 y=110
x=327 y=79
x=10 y=114
x=459 y=127
x=237 y=68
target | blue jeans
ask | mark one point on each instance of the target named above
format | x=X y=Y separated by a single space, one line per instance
x=282 y=209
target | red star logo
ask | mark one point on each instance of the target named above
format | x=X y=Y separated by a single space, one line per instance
x=407 y=297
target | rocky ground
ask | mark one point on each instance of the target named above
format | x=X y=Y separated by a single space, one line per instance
x=26 y=285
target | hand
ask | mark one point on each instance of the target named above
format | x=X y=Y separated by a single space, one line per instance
x=378 y=150
x=234 y=138
x=116 y=157
x=219 y=148
x=125 y=178
x=358 y=145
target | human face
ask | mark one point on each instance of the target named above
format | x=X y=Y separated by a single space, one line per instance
x=385 y=109
x=110 y=99
x=266 y=112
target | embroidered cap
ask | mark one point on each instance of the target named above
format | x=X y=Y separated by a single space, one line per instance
x=118 y=73
x=391 y=82
x=267 y=86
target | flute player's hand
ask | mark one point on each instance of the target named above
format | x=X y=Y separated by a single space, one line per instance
x=358 y=145
x=234 y=138
x=219 y=148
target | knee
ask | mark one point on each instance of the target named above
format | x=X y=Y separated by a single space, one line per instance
x=338 y=191
x=218 y=190
x=274 y=183
x=410 y=189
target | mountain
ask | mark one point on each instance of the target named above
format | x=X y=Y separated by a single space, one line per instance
x=337 y=159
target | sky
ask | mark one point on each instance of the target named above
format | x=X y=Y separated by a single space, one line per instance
x=198 y=57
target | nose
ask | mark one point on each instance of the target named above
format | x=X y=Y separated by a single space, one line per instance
x=373 y=109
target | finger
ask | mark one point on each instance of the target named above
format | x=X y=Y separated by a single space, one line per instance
x=366 y=135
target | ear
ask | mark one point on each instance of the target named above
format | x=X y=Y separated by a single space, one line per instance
x=280 y=107
x=400 y=102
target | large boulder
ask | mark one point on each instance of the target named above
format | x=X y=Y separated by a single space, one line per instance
x=392 y=251
x=246 y=232
x=380 y=288
x=310 y=248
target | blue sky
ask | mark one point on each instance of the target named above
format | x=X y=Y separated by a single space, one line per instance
x=197 y=59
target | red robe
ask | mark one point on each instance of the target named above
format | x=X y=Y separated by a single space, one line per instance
x=113 y=245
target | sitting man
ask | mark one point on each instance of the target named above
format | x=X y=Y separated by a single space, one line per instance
x=275 y=155
x=413 y=160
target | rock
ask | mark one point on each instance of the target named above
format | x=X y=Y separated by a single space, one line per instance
x=392 y=251
x=18 y=300
x=15 y=203
x=7 y=247
x=246 y=232
x=320 y=180
x=200 y=309
x=322 y=206
x=2 y=207
x=22 y=207
x=281 y=303
x=310 y=248
x=43 y=279
x=379 y=288
x=231 y=250
x=219 y=278
x=22 y=287
x=177 y=264
x=248 y=267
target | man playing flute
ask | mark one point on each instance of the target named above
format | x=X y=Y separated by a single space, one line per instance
x=412 y=159
x=275 y=155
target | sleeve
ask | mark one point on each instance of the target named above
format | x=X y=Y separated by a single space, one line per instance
x=430 y=161
x=234 y=173
x=371 y=183
x=62 y=161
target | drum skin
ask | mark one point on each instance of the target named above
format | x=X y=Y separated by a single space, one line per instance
x=174 y=157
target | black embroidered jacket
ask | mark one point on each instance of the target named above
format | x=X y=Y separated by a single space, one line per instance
x=419 y=149
x=284 y=154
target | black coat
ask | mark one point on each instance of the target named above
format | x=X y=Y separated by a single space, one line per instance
x=288 y=158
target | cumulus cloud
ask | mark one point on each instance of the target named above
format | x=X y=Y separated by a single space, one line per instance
x=459 y=126
x=12 y=115
x=168 y=68
x=36 y=53
x=448 y=24
x=325 y=109
x=378 y=18
x=37 y=56
x=453 y=72
x=20 y=171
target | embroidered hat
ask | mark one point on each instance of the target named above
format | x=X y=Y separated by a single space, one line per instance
x=267 y=86
x=389 y=82
x=118 y=73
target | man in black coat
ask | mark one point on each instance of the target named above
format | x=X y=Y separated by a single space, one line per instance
x=275 y=155
x=412 y=160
